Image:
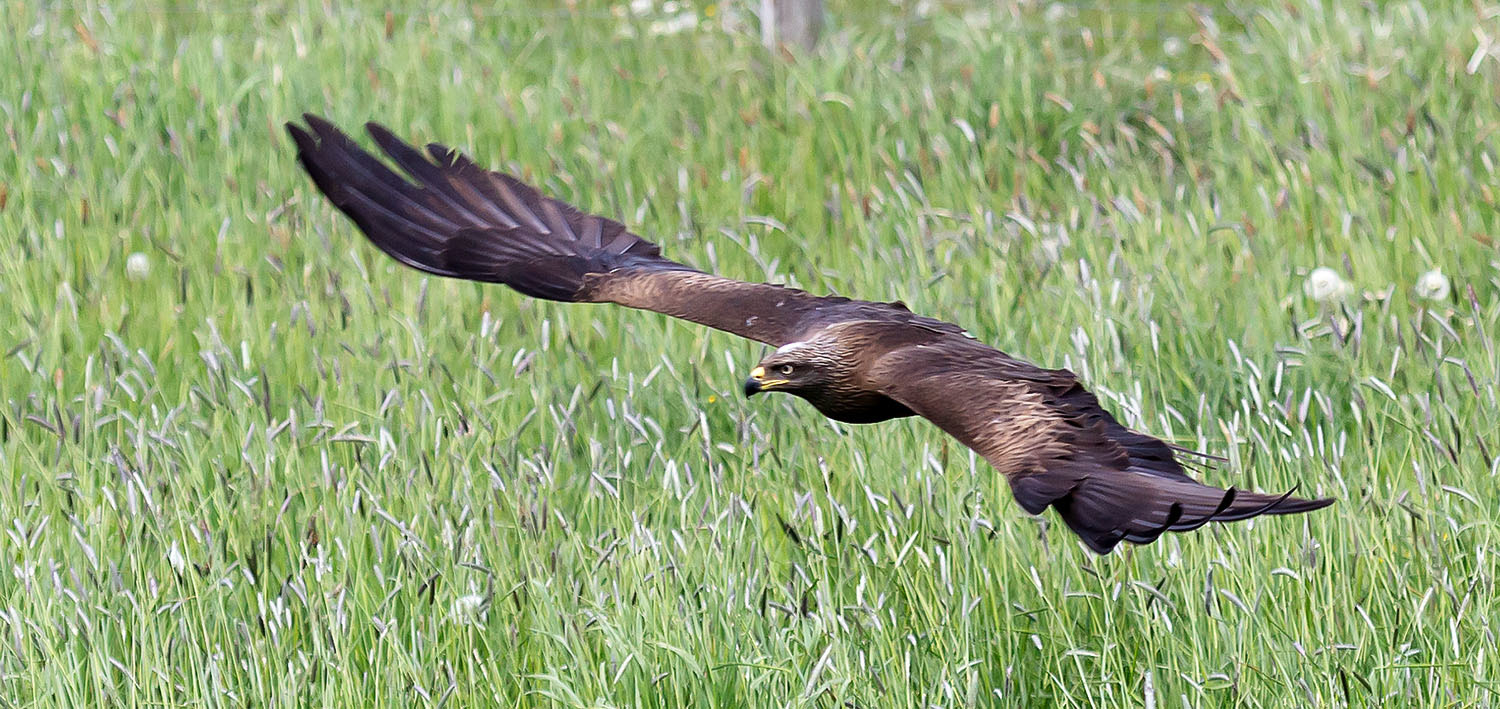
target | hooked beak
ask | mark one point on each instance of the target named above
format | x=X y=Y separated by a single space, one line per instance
x=758 y=383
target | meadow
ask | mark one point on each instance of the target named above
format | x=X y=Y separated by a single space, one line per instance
x=247 y=460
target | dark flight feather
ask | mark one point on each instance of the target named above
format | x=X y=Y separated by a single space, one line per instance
x=1039 y=427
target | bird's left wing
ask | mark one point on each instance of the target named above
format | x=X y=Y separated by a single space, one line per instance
x=455 y=219
x=1059 y=448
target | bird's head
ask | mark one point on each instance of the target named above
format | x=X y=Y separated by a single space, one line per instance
x=797 y=368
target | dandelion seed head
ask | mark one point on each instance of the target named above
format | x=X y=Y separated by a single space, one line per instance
x=137 y=266
x=673 y=25
x=1326 y=285
x=1433 y=285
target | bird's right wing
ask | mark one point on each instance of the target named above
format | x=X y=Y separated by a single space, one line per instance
x=1059 y=448
x=455 y=219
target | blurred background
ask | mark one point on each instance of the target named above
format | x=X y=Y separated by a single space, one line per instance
x=245 y=458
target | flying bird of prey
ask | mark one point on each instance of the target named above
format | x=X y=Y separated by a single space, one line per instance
x=855 y=361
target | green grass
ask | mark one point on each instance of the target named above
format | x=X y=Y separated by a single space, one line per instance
x=269 y=472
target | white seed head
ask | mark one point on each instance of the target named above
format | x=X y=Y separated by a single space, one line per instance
x=176 y=559
x=1325 y=285
x=469 y=609
x=677 y=24
x=137 y=266
x=1433 y=285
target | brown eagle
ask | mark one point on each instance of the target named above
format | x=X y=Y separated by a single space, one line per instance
x=855 y=361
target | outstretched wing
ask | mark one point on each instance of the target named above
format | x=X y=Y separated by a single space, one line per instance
x=455 y=219
x=1058 y=448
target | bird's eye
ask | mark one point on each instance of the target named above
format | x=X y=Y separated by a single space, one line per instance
x=785 y=369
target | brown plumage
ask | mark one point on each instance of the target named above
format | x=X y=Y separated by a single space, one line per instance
x=855 y=361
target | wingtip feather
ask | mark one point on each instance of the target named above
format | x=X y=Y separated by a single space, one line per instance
x=454 y=219
x=384 y=137
x=304 y=141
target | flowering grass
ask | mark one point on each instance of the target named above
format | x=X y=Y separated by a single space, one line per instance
x=245 y=459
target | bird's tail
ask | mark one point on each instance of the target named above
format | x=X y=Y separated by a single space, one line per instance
x=1104 y=510
x=1140 y=495
x=455 y=219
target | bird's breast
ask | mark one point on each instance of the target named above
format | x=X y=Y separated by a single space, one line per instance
x=867 y=407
